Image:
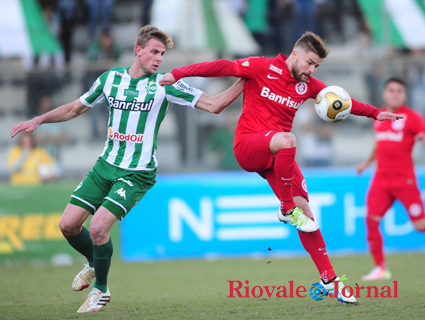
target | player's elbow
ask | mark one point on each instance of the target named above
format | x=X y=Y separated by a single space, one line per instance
x=216 y=109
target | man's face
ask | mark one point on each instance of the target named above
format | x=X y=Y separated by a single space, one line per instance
x=394 y=95
x=150 y=56
x=305 y=64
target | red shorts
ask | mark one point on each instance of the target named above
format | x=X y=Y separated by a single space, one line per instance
x=380 y=199
x=253 y=155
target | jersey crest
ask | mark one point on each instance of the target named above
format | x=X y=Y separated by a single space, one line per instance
x=301 y=88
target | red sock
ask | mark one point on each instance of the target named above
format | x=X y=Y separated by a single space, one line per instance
x=284 y=169
x=315 y=245
x=374 y=240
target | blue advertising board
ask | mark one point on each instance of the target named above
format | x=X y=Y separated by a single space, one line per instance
x=234 y=214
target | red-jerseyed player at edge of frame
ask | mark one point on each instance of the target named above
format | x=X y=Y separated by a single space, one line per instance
x=274 y=90
x=395 y=175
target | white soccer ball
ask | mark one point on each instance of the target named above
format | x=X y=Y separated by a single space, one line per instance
x=333 y=104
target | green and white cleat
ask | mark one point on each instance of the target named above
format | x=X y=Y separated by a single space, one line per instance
x=95 y=301
x=298 y=220
x=330 y=288
x=83 y=279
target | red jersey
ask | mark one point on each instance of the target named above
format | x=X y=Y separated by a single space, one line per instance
x=271 y=95
x=394 y=144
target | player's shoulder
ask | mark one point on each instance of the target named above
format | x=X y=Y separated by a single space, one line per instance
x=411 y=112
x=119 y=71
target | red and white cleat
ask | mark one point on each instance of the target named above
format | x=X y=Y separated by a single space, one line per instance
x=83 y=279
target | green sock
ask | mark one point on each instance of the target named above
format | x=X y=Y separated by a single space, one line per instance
x=83 y=244
x=102 y=260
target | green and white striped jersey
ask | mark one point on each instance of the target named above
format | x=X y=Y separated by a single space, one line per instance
x=136 y=110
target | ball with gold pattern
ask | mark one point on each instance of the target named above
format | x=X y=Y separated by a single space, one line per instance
x=333 y=104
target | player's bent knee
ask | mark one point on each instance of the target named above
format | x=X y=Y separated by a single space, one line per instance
x=374 y=218
x=282 y=140
x=419 y=225
x=98 y=234
x=67 y=229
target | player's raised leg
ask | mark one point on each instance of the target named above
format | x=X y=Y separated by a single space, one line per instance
x=283 y=146
x=100 y=226
x=71 y=225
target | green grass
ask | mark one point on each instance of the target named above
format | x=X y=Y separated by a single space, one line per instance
x=198 y=289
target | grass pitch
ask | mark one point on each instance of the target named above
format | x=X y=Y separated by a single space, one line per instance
x=198 y=289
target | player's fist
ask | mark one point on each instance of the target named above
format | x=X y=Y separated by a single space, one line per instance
x=388 y=116
x=28 y=126
x=167 y=80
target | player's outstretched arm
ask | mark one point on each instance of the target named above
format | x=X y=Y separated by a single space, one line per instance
x=60 y=114
x=217 y=68
x=362 y=166
x=388 y=116
x=222 y=100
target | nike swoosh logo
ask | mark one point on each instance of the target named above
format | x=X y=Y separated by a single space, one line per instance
x=115 y=85
x=287 y=179
x=268 y=132
x=321 y=249
x=271 y=77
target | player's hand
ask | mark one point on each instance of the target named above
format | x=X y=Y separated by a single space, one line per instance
x=361 y=167
x=388 y=116
x=167 y=80
x=28 y=126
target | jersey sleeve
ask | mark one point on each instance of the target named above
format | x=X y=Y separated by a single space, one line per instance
x=247 y=68
x=316 y=87
x=95 y=94
x=183 y=94
x=418 y=124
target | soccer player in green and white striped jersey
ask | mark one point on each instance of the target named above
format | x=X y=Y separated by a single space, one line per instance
x=126 y=168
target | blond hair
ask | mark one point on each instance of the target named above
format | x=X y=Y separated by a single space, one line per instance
x=312 y=42
x=150 y=32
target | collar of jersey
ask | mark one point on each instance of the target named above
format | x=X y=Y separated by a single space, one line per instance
x=399 y=110
x=285 y=69
x=137 y=79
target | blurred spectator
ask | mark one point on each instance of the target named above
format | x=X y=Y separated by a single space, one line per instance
x=256 y=20
x=101 y=56
x=96 y=7
x=41 y=83
x=146 y=11
x=52 y=136
x=66 y=10
x=29 y=165
x=316 y=138
x=44 y=61
x=281 y=25
x=221 y=142
x=305 y=17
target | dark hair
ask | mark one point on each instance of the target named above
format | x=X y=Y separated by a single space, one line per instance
x=312 y=42
x=397 y=80
x=148 y=32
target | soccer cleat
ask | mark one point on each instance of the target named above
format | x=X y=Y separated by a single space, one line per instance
x=83 y=279
x=330 y=288
x=95 y=301
x=298 y=219
x=377 y=273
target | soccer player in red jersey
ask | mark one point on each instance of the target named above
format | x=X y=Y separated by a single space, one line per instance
x=394 y=177
x=274 y=90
